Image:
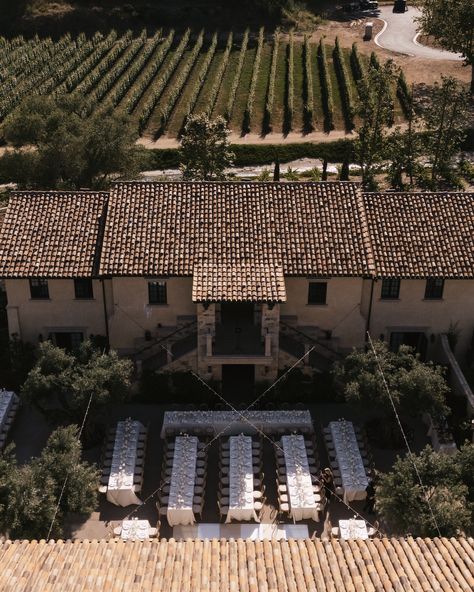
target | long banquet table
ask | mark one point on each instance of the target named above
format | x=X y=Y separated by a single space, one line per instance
x=7 y=398
x=241 y=484
x=120 y=487
x=301 y=496
x=348 y=457
x=183 y=480
x=231 y=422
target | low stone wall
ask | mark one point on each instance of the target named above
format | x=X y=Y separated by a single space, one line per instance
x=457 y=380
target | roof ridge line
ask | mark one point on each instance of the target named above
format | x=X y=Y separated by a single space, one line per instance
x=361 y=204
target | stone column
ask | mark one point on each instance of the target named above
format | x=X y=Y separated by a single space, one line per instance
x=206 y=329
x=271 y=328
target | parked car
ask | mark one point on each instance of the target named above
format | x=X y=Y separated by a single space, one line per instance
x=400 y=6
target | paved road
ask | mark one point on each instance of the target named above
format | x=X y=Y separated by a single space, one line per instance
x=400 y=35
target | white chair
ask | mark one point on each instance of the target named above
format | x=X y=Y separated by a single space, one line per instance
x=258 y=506
x=285 y=508
x=335 y=532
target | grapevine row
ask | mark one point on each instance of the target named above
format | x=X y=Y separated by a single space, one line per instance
x=95 y=75
x=326 y=88
x=344 y=85
x=183 y=74
x=76 y=77
x=107 y=82
x=150 y=72
x=219 y=76
x=290 y=88
x=356 y=64
x=308 y=82
x=375 y=65
x=201 y=77
x=238 y=74
x=128 y=79
x=162 y=81
x=404 y=94
x=271 y=83
x=253 y=83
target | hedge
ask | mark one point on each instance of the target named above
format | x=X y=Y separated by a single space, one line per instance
x=255 y=154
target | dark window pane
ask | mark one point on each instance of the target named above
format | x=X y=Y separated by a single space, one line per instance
x=157 y=293
x=434 y=288
x=317 y=292
x=39 y=289
x=390 y=288
x=83 y=288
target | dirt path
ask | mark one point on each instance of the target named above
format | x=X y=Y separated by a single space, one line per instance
x=291 y=138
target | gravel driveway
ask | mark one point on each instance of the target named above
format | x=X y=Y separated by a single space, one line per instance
x=400 y=32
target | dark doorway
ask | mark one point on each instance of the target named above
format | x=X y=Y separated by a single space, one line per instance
x=68 y=340
x=414 y=339
x=238 y=382
x=237 y=313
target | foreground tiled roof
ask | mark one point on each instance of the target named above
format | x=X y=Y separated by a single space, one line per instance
x=422 y=234
x=239 y=566
x=52 y=234
x=238 y=283
x=170 y=228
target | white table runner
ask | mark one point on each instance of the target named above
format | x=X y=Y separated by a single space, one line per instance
x=120 y=488
x=183 y=480
x=300 y=486
x=349 y=459
x=6 y=400
x=353 y=529
x=232 y=423
x=241 y=486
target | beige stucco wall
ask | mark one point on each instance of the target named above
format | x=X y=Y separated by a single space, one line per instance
x=412 y=312
x=341 y=314
x=130 y=315
x=62 y=312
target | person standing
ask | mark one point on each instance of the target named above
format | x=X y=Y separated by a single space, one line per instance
x=370 y=498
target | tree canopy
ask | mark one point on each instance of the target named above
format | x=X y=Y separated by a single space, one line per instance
x=205 y=149
x=451 y=22
x=404 y=504
x=62 y=383
x=415 y=387
x=30 y=494
x=58 y=147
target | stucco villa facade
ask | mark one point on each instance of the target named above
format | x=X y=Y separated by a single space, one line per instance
x=239 y=278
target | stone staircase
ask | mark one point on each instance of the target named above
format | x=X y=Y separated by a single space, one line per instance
x=173 y=344
x=296 y=341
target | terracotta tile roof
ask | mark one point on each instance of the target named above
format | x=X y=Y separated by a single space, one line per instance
x=170 y=228
x=422 y=234
x=238 y=283
x=419 y=565
x=51 y=234
x=160 y=229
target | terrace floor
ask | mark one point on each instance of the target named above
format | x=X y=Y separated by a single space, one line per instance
x=30 y=432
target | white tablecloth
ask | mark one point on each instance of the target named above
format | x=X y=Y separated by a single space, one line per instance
x=6 y=400
x=303 y=504
x=353 y=529
x=183 y=480
x=353 y=475
x=241 y=486
x=120 y=488
x=135 y=530
x=231 y=422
